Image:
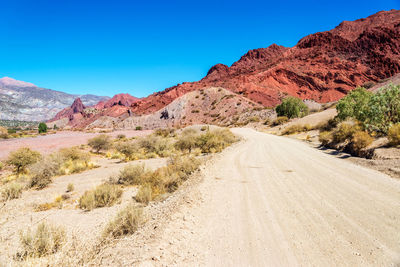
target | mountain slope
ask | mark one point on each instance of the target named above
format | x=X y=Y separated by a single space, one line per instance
x=25 y=101
x=322 y=66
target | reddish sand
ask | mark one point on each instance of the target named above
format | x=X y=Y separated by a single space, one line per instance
x=49 y=143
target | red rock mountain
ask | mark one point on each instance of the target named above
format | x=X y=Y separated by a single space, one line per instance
x=323 y=66
x=76 y=107
x=79 y=115
x=121 y=99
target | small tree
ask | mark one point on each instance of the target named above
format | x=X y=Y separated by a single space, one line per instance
x=23 y=158
x=100 y=142
x=292 y=107
x=354 y=104
x=42 y=127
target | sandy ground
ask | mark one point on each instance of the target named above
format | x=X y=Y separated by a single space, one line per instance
x=52 y=142
x=275 y=201
x=19 y=214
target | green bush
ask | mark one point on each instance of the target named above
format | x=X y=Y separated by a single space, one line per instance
x=394 y=135
x=354 y=104
x=22 y=158
x=138 y=128
x=377 y=112
x=383 y=109
x=42 y=127
x=292 y=107
x=104 y=195
x=100 y=142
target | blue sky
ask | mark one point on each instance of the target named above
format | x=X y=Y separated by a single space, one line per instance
x=139 y=47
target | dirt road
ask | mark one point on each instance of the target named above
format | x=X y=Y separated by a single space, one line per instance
x=274 y=201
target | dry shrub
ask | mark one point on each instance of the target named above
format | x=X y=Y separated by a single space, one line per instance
x=74 y=154
x=344 y=131
x=70 y=187
x=74 y=160
x=43 y=171
x=325 y=137
x=132 y=175
x=128 y=149
x=46 y=240
x=121 y=136
x=165 y=132
x=4 y=133
x=186 y=142
x=394 y=134
x=22 y=158
x=361 y=140
x=215 y=141
x=155 y=144
x=12 y=190
x=104 y=195
x=280 y=120
x=297 y=128
x=100 y=142
x=126 y=222
x=144 y=195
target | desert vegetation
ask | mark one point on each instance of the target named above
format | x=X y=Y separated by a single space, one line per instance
x=126 y=222
x=45 y=240
x=26 y=169
x=362 y=117
x=292 y=107
x=29 y=169
x=104 y=195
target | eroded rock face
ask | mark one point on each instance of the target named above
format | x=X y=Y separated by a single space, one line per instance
x=121 y=99
x=322 y=66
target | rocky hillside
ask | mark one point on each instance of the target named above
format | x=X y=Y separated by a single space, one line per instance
x=26 y=102
x=211 y=106
x=323 y=66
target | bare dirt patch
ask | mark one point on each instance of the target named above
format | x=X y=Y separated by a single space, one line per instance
x=50 y=143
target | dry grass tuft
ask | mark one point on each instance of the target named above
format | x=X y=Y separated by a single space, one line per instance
x=394 y=134
x=12 y=190
x=132 y=175
x=325 y=137
x=46 y=240
x=296 y=128
x=361 y=140
x=70 y=187
x=104 y=195
x=280 y=120
x=126 y=222
x=144 y=195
